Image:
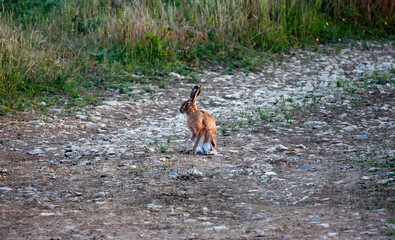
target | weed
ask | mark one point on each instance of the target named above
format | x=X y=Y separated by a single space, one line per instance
x=183 y=228
x=288 y=117
x=249 y=229
x=162 y=148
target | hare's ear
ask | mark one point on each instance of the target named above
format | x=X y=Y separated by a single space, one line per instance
x=195 y=92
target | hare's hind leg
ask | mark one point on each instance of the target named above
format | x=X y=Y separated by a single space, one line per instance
x=212 y=137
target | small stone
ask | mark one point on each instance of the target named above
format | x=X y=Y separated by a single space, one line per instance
x=106 y=137
x=205 y=210
x=281 y=148
x=365 y=136
x=3 y=170
x=151 y=150
x=325 y=225
x=92 y=126
x=190 y=221
x=122 y=163
x=305 y=168
x=154 y=207
x=174 y=174
x=5 y=189
x=35 y=151
x=271 y=150
x=332 y=234
x=99 y=195
x=111 y=151
x=301 y=146
x=195 y=173
x=47 y=214
x=270 y=174
x=350 y=128
x=216 y=228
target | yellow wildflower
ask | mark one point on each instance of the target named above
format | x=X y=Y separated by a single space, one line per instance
x=19 y=73
x=385 y=23
x=327 y=24
x=344 y=19
x=317 y=39
x=73 y=29
x=301 y=25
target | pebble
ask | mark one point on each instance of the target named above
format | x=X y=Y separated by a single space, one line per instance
x=216 y=228
x=365 y=136
x=154 y=206
x=47 y=214
x=325 y=225
x=305 y=168
x=36 y=151
x=174 y=174
x=192 y=221
x=195 y=173
x=99 y=195
x=270 y=174
x=92 y=126
x=350 y=128
x=5 y=189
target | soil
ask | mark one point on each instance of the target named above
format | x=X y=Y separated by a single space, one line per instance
x=305 y=151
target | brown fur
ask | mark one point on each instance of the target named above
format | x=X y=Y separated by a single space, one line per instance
x=199 y=122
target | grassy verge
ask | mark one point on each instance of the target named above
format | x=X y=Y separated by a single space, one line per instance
x=63 y=47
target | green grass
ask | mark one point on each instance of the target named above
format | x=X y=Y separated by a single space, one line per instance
x=62 y=47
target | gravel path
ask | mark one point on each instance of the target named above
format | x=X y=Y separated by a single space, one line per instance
x=306 y=151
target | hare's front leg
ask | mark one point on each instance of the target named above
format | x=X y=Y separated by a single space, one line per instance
x=190 y=142
x=200 y=134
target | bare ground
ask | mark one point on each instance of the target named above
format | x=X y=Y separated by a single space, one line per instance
x=305 y=152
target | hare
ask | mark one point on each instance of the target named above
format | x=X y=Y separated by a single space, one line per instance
x=201 y=125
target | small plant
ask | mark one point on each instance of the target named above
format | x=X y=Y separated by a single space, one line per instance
x=288 y=117
x=296 y=106
x=249 y=229
x=233 y=127
x=162 y=148
x=224 y=132
x=183 y=228
x=339 y=82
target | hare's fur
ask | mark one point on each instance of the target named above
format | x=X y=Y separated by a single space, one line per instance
x=201 y=125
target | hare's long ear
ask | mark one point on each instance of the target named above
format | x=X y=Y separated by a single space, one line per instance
x=195 y=92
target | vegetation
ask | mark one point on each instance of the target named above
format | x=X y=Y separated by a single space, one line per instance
x=66 y=47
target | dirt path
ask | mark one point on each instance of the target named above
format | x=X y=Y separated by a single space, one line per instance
x=306 y=152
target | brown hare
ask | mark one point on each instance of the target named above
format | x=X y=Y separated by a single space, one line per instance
x=201 y=125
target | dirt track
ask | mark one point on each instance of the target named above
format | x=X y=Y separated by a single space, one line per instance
x=303 y=153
